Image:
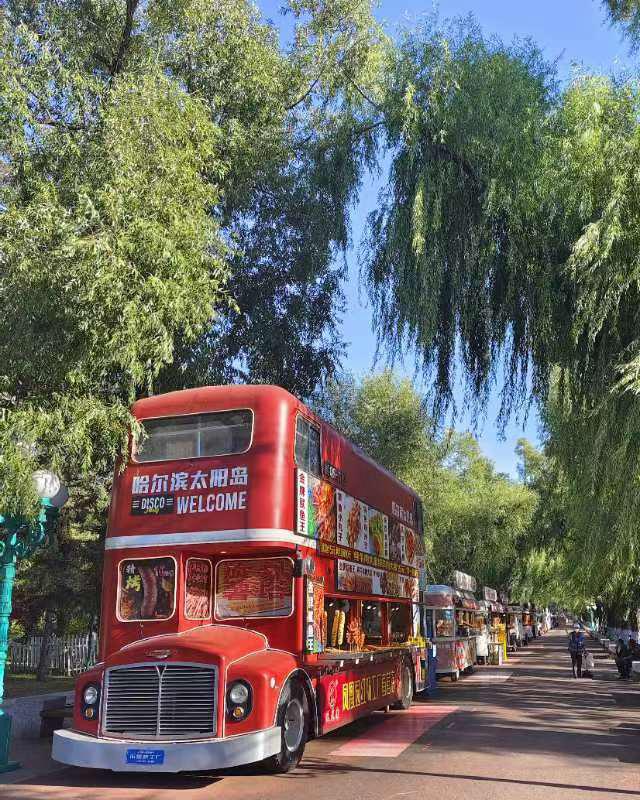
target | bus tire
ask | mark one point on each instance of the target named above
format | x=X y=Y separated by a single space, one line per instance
x=293 y=721
x=454 y=676
x=406 y=687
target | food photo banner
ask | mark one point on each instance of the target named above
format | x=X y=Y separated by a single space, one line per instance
x=333 y=517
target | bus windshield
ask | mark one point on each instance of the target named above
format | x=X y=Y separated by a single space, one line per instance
x=195 y=435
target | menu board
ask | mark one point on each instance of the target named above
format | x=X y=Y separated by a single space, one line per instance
x=352 y=522
x=410 y=547
x=316 y=507
x=403 y=545
x=396 y=542
x=258 y=587
x=490 y=594
x=197 y=591
x=362 y=579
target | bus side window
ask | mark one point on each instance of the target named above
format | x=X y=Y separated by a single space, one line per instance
x=400 y=622
x=372 y=622
x=308 y=447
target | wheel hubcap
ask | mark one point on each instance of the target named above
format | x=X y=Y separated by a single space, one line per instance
x=407 y=685
x=293 y=724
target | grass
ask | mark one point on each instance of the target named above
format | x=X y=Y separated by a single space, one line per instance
x=25 y=685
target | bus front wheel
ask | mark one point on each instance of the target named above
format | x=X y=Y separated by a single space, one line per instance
x=293 y=721
x=406 y=687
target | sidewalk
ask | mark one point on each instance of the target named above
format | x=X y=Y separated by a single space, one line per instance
x=34 y=756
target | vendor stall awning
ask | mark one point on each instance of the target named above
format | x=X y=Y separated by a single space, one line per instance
x=488 y=606
x=467 y=600
x=440 y=596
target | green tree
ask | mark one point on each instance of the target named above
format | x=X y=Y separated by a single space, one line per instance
x=625 y=13
x=174 y=188
x=138 y=141
x=384 y=416
x=506 y=240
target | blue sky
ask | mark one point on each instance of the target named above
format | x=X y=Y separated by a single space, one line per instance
x=573 y=32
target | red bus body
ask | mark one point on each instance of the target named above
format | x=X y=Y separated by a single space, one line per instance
x=239 y=527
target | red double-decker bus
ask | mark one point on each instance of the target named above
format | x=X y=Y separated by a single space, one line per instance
x=260 y=588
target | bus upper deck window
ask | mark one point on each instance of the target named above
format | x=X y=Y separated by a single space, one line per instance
x=196 y=435
x=308 y=447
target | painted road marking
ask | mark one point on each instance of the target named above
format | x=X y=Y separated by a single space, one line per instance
x=493 y=677
x=392 y=737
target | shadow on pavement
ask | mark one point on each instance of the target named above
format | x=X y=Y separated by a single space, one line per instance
x=323 y=767
x=76 y=778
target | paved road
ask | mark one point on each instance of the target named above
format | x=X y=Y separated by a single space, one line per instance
x=527 y=730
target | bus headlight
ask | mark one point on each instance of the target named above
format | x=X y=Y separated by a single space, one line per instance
x=90 y=695
x=238 y=700
x=90 y=698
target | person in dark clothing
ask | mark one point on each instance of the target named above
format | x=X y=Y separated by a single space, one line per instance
x=576 y=650
x=634 y=655
x=622 y=655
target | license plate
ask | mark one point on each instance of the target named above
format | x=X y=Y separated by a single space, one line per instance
x=139 y=756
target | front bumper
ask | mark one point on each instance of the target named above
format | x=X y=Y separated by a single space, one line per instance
x=80 y=750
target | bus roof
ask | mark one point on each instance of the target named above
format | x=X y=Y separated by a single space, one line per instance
x=199 y=400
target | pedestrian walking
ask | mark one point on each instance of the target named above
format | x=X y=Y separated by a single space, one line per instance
x=576 y=650
x=634 y=655
x=622 y=659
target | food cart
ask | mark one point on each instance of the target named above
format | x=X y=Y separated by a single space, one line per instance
x=497 y=626
x=455 y=645
x=515 y=627
x=467 y=608
x=528 y=624
x=482 y=629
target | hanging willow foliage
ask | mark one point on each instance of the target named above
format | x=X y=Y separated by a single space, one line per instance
x=508 y=237
x=450 y=259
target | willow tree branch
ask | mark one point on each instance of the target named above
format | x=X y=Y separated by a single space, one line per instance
x=125 y=39
x=354 y=136
x=304 y=96
x=445 y=152
x=366 y=97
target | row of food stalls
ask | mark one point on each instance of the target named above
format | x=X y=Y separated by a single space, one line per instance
x=467 y=630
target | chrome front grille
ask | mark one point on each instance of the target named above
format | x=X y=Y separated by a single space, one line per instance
x=160 y=701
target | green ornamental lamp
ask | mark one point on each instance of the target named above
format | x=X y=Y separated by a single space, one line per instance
x=19 y=539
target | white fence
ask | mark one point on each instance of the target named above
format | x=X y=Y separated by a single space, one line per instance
x=69 y=654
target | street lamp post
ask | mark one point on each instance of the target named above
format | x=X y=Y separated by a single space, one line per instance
x=19 y=539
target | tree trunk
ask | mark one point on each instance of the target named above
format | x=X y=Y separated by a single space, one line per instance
x=44 y=664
